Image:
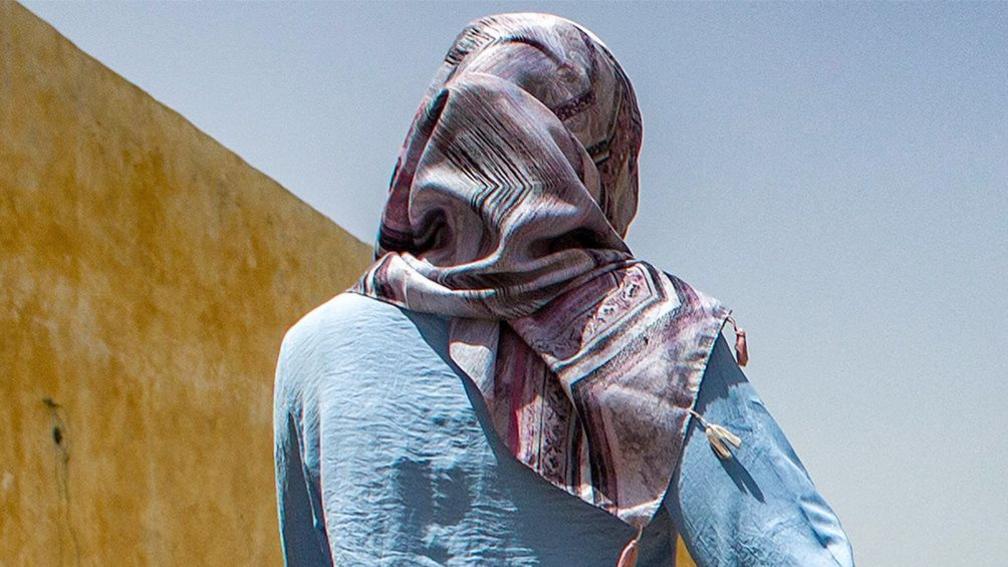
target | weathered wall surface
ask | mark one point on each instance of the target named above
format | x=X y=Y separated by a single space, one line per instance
x=147 y=275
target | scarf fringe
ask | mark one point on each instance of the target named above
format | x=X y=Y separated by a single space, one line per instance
x=718 y=436
x=628 y=558
x=741 y=345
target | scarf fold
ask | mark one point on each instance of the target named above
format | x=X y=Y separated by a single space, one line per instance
x=506 y=212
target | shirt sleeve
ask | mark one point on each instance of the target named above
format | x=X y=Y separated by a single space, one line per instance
x=303 y=537
x=759 y=507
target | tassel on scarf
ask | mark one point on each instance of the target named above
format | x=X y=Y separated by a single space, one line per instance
x=717 y=436
x=629 y=556
x=741 y=346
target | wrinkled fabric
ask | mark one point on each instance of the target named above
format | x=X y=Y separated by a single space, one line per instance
x=393 y=460
x=506 y=212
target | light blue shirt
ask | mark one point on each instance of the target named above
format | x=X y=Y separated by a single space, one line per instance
x=385 y=456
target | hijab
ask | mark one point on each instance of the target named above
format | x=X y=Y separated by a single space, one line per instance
x=506 y=213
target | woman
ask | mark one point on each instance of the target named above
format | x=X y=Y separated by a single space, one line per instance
x=507 y=384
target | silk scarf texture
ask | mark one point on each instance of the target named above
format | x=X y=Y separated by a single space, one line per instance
x=506 y=212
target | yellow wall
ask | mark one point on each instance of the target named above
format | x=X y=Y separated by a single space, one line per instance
x=147 y=275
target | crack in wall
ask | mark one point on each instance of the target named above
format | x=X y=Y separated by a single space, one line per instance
x=61 y=470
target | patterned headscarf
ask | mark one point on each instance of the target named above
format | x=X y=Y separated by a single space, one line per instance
x=506 y=212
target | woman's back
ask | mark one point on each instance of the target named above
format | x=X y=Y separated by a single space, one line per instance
x=400 y=460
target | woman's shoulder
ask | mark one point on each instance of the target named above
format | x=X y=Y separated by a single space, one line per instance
x=351 y=325
x=345 y=312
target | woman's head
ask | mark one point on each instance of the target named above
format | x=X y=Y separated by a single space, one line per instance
x=522 y=155
x=570 y=71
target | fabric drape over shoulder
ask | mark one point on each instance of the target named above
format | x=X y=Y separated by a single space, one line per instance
x=507 y=211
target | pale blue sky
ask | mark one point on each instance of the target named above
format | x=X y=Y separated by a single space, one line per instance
x=836 y=173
